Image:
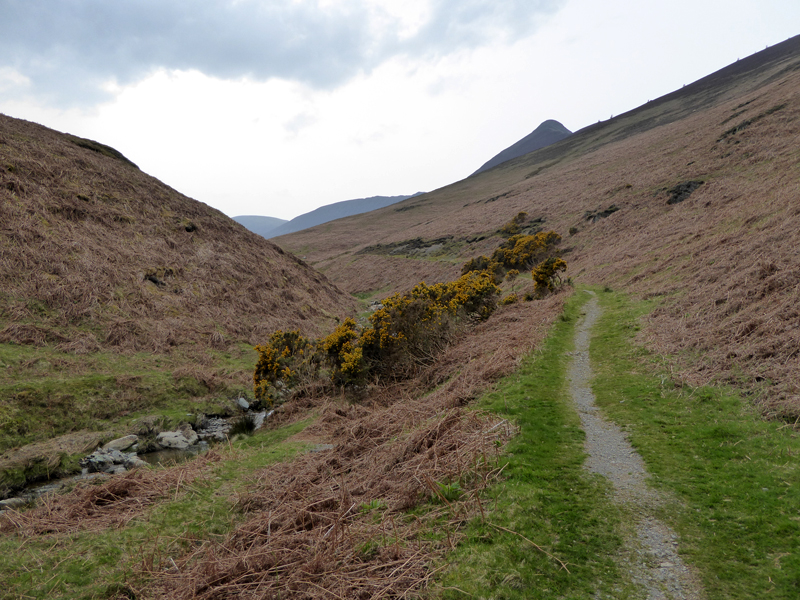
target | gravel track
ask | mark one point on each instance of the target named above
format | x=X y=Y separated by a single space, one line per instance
x=650 y=551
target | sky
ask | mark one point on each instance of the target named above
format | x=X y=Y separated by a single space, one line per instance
x=277 y=107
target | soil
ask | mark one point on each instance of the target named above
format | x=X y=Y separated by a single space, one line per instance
x=650 y=552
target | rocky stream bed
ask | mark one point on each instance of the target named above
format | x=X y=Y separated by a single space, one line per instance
x=129 y=452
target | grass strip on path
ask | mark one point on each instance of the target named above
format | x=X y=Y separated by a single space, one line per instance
x=736 y=474
x=548 y=509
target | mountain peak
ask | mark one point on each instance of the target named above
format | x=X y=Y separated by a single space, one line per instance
x=549 y=132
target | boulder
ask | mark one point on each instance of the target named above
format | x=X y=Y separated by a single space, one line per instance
x=189 y=433
x=243 y=404
x=172 y=439
x=122 y=443
x=134 y=462
x=105 y=461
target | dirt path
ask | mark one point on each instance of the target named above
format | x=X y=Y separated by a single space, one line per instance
x=651 y=546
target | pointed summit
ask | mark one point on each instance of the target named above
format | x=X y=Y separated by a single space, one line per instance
x=545 y=134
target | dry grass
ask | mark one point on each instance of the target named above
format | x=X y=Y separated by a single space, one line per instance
x=339 y=523
x=335 y=524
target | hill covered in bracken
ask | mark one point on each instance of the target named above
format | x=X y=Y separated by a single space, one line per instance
x=95 y=254
x=690 y=200
x=361 y=490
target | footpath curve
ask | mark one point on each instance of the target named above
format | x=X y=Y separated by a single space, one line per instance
x=650 y=546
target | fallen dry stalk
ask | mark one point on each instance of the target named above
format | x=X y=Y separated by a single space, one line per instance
x=534 y=544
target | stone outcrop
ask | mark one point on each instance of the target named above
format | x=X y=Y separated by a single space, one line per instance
x=122 y=444
x=175 y=440
x=111 y=461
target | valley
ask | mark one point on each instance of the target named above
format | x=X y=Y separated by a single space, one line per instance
x=464 y=477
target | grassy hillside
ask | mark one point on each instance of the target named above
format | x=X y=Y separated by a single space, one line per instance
x=118 y=293
x=689 y=198
x=96 y=254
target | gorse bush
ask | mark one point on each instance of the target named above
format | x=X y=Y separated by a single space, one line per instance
x=483 y=264
x=510 y=299
x=523 y=251
x=344 y=353
x=279 y=364
x=411 y=328
x=407 y=331
x=514 y=225
x=546 y=276
x=517 y=253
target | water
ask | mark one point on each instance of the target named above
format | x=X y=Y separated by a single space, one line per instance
x=172 y=456
x=159 y=458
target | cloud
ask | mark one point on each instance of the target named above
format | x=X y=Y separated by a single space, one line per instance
x=68 y=51
x=299 y=122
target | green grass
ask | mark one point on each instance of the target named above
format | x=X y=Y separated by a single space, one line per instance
x=546 y=496
x=735 y=474
x=44 y=392
x=734 y=477
x=93 y=565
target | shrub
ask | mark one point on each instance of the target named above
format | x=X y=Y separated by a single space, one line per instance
x=411 y=328
x=510 y=299
x=516 y=253
x=408 y=329
x=546 y=275
x=479 y=263
x=513 y=226
x=278 y=366
x=344 y=354
x=523 y=251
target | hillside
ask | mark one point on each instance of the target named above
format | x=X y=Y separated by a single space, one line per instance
x=97 y=254
x=698 y=190
x=120 y=296
x=545 y=134
x=337 y=210
x=468 y=475
x=263 y=226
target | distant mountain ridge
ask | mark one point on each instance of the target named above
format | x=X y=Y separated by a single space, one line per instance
x=547 y=133
x=337 y=210
x=263 y=226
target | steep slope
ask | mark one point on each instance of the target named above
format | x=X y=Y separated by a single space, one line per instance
x=263 y=226
x=337 y=210
x=689 y=199
x=96 y=254
x=545 y=134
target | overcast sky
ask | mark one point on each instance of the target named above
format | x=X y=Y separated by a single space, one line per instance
x=276 y=107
